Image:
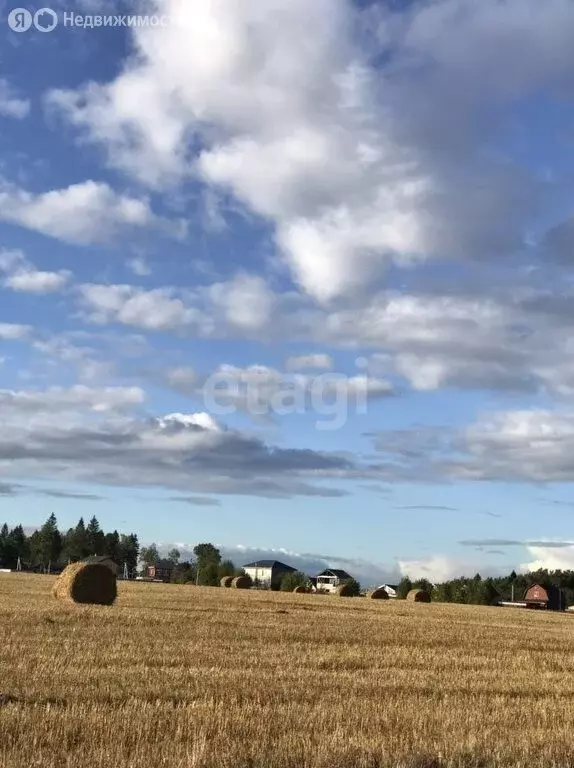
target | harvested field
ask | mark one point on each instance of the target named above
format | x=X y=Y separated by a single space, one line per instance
x=186 y=677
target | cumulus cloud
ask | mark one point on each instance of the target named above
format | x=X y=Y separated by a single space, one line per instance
x=12 y=105
x=81 y=214
x=246 y=302
x=355 y=165
x=242 y=307
x=22 y=276
x=89 y=436
x=264 y=392
x=155 y=310
x=440 y=568
x=510 y=446
x=550 y=557
x=512 y=343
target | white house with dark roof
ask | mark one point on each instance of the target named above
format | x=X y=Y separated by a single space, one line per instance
x=267 y=573
x=329 y=579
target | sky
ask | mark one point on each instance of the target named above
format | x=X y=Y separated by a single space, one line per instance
x=294 y=278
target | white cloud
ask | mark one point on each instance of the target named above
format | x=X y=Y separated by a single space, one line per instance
x=22 y=276
x=11 y=105
x=440 y=568
x=93 y=436
x=246 y=302
x=155 y=310
x=318 y=361
x=14 y=332
x=182 y=378
x=203 y=420
x=81 y=214
x=552 y=558
x=139 y=266
x=355 y=167
x=513 y=341
x=242 y=306
x=35 y=281
x=264 y=392
x=61 y=399
x=532 y=446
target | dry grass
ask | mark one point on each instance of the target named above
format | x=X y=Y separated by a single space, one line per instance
x=187 y=677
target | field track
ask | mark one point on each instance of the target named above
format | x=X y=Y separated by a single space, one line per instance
x=186 y=677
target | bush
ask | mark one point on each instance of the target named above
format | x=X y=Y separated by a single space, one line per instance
x=354 y=587
x=292 y=580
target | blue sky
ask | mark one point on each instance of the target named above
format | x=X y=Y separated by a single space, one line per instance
x=345 y=215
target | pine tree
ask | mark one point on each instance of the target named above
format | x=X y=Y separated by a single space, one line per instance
x=20 y=544
x=81 y=543
x=129 y=552
x=49 y=542
x=3 y=545
x=95 y=537
x=112 y=546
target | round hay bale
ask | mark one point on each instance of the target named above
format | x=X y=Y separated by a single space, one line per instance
x=379 y=594
x=91 y=583
x=226 y=582
x=242 y=582
x=344 y=590
x=418 y=596
x=300 y=590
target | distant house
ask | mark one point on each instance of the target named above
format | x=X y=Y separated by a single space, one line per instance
x=104 y=560
x=329 y=579
x=267 y=573
x=160 y=571
x=390 y=589
x=545 y=596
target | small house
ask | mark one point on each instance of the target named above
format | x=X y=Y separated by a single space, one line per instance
x=545 y=596
x=104 y=560
x=160 y=571
x=267 y=573
x=331 y=578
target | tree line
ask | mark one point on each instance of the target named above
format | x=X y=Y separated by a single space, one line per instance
x=47 y=548
x=479 y=591
x=207 y=569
